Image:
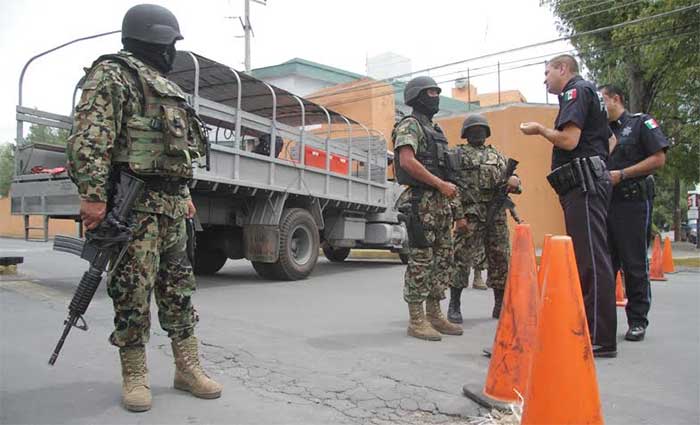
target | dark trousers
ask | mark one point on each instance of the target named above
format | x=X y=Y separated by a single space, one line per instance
x=628 y=235
x=586 y=222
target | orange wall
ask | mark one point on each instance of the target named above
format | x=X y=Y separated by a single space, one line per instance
x=366 y=101
x=469 y=93
x=538 y=204
x=12 y=226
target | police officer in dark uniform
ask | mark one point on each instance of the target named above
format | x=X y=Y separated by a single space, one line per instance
x=581 y=139
x=640 y=151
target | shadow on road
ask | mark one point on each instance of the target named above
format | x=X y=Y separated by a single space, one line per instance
x=241 y=272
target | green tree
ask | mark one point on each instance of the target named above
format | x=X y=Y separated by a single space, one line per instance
x=657 y=62
x=7 y=167
x=46 y=135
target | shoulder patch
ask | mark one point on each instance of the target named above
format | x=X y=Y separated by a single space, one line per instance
x=570 y=95
x=651 y=123
x=408 y=124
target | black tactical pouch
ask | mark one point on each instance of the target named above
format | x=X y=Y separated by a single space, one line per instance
x=635 y=190
x=563 y=179
x=414 y=225
x=454 y=161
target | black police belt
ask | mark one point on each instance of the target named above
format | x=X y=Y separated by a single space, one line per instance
x=578 y=173
x=640 y=189
x=168 y=186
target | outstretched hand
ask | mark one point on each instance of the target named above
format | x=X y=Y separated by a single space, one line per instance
x=531 y=128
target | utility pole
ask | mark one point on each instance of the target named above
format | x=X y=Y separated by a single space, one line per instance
x=247 y=29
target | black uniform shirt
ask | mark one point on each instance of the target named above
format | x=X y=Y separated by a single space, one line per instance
x=638 y=137
x=582 y=105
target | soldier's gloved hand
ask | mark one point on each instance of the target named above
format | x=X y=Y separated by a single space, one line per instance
x=461 y=225
x=191 y=210
x=513 y=183
x=92 y=213
x=448 y=189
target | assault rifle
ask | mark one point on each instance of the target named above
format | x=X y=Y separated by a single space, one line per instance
x=502 y=199
x=103 y=246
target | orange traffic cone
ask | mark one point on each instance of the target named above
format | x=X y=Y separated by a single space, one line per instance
x=656 y=268
x=512 y=347
x=668 y=257
x=543 y=259
x=620 y=298
x=562 y=388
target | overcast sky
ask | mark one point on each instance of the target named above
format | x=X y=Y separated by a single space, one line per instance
x=333 y=32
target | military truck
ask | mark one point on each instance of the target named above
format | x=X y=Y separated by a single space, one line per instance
x=327 y=188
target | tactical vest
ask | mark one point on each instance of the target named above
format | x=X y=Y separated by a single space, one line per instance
x=163 y=139
x=481 y=171
x=433 y=158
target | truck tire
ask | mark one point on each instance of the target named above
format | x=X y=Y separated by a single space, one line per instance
x=336 y=255
x=208 y=262
x=403 y=258
x=299 y=243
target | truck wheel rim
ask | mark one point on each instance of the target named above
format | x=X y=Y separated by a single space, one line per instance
x=300 y=245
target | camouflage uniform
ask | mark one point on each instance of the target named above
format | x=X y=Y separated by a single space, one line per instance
x=430 y=269
x=482 y=170
x=113 y=131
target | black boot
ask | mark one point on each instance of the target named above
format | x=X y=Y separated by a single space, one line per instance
x=497 y=302
x=454 y=314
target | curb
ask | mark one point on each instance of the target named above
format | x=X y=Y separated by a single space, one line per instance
x=370 y=254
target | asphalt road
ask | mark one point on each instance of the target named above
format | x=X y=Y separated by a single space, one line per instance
x=328 y=350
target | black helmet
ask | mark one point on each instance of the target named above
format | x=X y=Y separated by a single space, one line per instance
x=417 y=85
x=151 y=23
x=474 y=120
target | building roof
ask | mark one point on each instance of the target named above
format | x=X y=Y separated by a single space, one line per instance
x=321 y=72
x=307 y=69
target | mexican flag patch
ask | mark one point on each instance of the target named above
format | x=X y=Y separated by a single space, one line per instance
x=651 y=123
x=570 y=95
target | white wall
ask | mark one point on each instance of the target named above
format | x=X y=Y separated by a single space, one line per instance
x=298 y=85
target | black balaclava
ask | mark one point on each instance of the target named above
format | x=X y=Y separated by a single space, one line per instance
x=427 y=105
x=476 y=136
x=159 y=56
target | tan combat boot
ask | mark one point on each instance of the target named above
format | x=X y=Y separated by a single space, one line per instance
x=136 y=393
x=437 y=320
x=478 y=282
x=189 y=375
x=419 y=327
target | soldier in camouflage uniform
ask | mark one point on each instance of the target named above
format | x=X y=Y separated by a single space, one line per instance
x=420 y=162
x=482 y=169
x=130 y=118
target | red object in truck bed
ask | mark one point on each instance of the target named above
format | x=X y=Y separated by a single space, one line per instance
x=317 y=158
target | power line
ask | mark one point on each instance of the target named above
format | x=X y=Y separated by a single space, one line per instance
x=566 y=3
x=640 y=36
x=379 y=84
x=528 y=46
x=579 y=17
x=393 y=91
